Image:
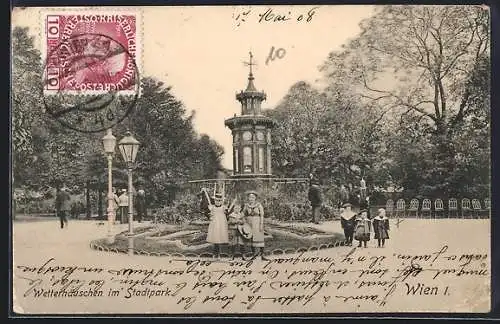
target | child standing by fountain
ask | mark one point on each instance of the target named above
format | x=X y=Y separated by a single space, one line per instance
x=254 y=212
x=236 y=218
x=217 y=229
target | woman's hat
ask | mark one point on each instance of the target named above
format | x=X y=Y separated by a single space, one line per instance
x=346 y=205
x=251 y=192
x=245 y=230
x=218 y=196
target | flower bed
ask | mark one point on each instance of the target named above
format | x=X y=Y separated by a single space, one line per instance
x=299 y=230
x=280 y=239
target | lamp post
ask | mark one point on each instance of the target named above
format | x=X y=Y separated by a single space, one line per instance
x=128 y=148
x=109 y=143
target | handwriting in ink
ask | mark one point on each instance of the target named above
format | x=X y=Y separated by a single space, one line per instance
x=279 y=53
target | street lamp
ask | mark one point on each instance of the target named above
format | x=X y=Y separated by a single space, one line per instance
x=128 y=148
x=109 y=142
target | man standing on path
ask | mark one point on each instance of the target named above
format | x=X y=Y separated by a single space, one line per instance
x=124 y=207
x=141 y=204
x=63 y=206
x=316 y=200
x=344 y=196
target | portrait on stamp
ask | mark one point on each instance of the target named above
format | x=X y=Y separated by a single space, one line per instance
x=313 y=159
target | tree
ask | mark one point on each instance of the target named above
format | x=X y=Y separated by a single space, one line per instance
x=423 y=63
x=430 y=59
x=171 y=152
x=297 y=140
x=208 y=160
x=330 y=136
x=47 y=153
x=26 y=104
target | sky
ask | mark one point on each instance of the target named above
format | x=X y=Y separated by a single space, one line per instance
x=200 y=51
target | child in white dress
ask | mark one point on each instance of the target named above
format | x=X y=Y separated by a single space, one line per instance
x=217 y=229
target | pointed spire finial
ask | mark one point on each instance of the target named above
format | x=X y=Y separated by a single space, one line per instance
x=250 y=63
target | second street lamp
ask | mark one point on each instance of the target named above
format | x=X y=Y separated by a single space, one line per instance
x=109 y=143
x=128 y=148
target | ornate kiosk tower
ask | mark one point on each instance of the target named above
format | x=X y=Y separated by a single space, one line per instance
x=251 y=133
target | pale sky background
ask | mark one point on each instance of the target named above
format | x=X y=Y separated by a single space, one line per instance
x=199 y=51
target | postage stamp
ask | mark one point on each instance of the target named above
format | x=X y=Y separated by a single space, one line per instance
x=91 y=52
x=91 y=66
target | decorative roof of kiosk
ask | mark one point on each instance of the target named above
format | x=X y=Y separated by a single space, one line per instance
x=251 y=91
x=249 y=120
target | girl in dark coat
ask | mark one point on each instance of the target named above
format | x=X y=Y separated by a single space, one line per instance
x=363 y=229
x=381 y=227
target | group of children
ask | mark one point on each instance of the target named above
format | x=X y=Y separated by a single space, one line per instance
x=359 y=227
x=236 y=225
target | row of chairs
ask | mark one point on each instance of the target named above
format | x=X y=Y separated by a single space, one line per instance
x=467 y=209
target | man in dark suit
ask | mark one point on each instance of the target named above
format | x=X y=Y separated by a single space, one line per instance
x=316 y=200
x=63 y=206
x=141 y=204
x=344 y=196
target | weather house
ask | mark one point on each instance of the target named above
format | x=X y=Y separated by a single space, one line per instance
x=251 y=133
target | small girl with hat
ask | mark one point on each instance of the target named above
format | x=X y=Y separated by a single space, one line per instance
x=363 y=228
x=381 y=227
x=236 y=219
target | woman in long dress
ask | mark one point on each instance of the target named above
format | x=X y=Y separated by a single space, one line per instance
x=381 y=227
x=254 y=212
x=217 y=229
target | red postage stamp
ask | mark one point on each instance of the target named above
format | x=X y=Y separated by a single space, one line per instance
x=91 y=53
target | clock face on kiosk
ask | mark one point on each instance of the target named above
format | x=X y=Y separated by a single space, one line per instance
x=247 y=136
x=260 y=136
